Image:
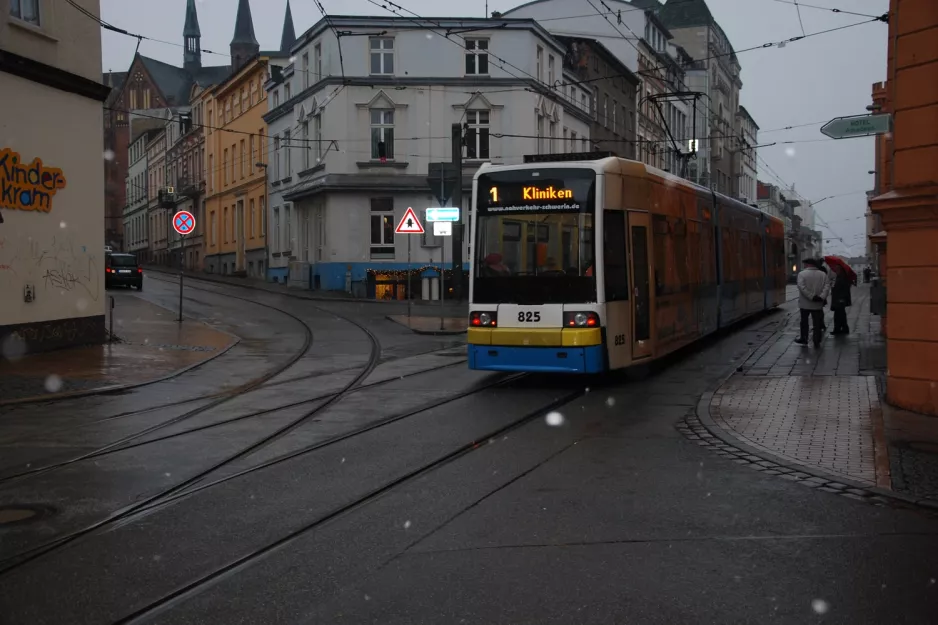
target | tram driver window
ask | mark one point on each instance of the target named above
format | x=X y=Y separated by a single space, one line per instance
x=614 y=256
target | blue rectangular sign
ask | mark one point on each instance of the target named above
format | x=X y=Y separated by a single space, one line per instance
x=448 y=213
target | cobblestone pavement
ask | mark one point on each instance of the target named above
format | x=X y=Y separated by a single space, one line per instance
x=815 y=407
x=152 y=346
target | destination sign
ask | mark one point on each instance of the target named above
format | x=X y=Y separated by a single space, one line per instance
x=558 y=190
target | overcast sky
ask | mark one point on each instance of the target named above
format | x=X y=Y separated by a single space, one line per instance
x=805 y=82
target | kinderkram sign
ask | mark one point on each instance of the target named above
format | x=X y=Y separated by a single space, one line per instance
x=27 y=186
x=857 y=126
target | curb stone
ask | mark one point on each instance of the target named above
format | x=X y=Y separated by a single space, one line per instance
x=425 y=332
x=257 y=287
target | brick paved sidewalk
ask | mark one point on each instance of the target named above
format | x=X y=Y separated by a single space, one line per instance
x=152 y=346
x=816 y=407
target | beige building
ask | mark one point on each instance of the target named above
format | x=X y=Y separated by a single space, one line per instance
x=51 y=168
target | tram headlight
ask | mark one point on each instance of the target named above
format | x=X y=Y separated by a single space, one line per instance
x=581 y=320
x=482 y=319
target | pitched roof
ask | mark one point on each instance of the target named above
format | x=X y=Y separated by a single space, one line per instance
x=685 y=13
x=175 y=83
x=289 y=33
x=648 y=5
x=244 y=25
x=114 y=80
x=191 y=29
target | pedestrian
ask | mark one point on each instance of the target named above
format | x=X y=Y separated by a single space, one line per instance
x=813 y=289
x=840 y=300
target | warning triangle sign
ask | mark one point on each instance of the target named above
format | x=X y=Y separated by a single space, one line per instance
x=409 y=223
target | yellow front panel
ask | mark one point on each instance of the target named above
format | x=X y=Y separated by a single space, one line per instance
x=550 y=337
x=576 y=337
x=479 y=336
x=518 y=337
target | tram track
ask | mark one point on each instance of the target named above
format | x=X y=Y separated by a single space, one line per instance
x=265 y=385
x=130 y=444
x=12 y=563
x=195 y=484
x=193 y=587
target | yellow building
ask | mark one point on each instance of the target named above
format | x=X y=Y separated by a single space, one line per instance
x=236 y=153
x=235 y=186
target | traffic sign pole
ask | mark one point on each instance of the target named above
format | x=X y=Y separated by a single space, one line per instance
x=183 y=224
x=409 y=277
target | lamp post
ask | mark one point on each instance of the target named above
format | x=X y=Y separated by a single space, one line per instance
x=263 y=166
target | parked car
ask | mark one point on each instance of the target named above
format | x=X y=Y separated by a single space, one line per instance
x=123 y=270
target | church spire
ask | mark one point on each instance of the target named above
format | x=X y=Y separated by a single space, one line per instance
x=192 y=36
x=289 y=34
x=244 y=44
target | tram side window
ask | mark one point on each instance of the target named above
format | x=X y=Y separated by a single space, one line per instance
x=615 y=256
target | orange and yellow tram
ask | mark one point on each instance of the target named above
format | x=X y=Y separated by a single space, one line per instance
x=594 y=265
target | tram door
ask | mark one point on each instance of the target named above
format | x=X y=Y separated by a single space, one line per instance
x=640 y=260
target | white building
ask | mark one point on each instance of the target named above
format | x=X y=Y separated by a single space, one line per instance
x=747 y=156
x=349 y=156
x=643 y=44
x=697 y=78
x=136 y=230
x=51 y=172
x=692 y=25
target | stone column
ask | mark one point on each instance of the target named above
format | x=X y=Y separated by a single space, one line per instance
x=909 y=209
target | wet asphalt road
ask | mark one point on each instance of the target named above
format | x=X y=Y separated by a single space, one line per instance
x=426 y=493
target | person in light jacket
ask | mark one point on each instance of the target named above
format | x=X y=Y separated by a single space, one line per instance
x=814 y=287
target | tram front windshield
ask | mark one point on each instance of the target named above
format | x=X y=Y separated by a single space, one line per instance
x=534 y=236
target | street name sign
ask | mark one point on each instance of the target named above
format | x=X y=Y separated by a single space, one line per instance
x=442 y=228
x=183 y=222
x=448 y=213
x=857 y=126
x=409 y=223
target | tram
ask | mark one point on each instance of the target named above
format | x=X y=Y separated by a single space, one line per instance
x=585 y=266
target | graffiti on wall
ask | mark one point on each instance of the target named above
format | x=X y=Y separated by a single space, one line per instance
x=56 y=264
x=27 y=187
x=54 y=333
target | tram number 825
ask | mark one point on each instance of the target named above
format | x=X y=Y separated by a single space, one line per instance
x=529 y=317
x=620 y=339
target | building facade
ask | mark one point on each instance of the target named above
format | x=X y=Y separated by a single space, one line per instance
x=747 y=174
x=236 y=185
x=236 y=155
x=366 y=143
x=149 y=86
x=613 y=85
x=184 y=191
x=694 y=28
x=771 y=200
x=157 y=219
x=51 y=197
x=642 y=43
x=136 y=220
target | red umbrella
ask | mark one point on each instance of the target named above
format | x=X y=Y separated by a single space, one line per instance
x=837 y=260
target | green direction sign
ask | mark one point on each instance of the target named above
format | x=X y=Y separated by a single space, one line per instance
x=858 y=126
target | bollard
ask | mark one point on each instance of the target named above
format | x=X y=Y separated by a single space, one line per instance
x=110 y=331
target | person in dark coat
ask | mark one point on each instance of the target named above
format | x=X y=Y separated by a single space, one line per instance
x=840 y=300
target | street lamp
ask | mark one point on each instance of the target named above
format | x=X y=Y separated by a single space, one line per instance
x=263 y=166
